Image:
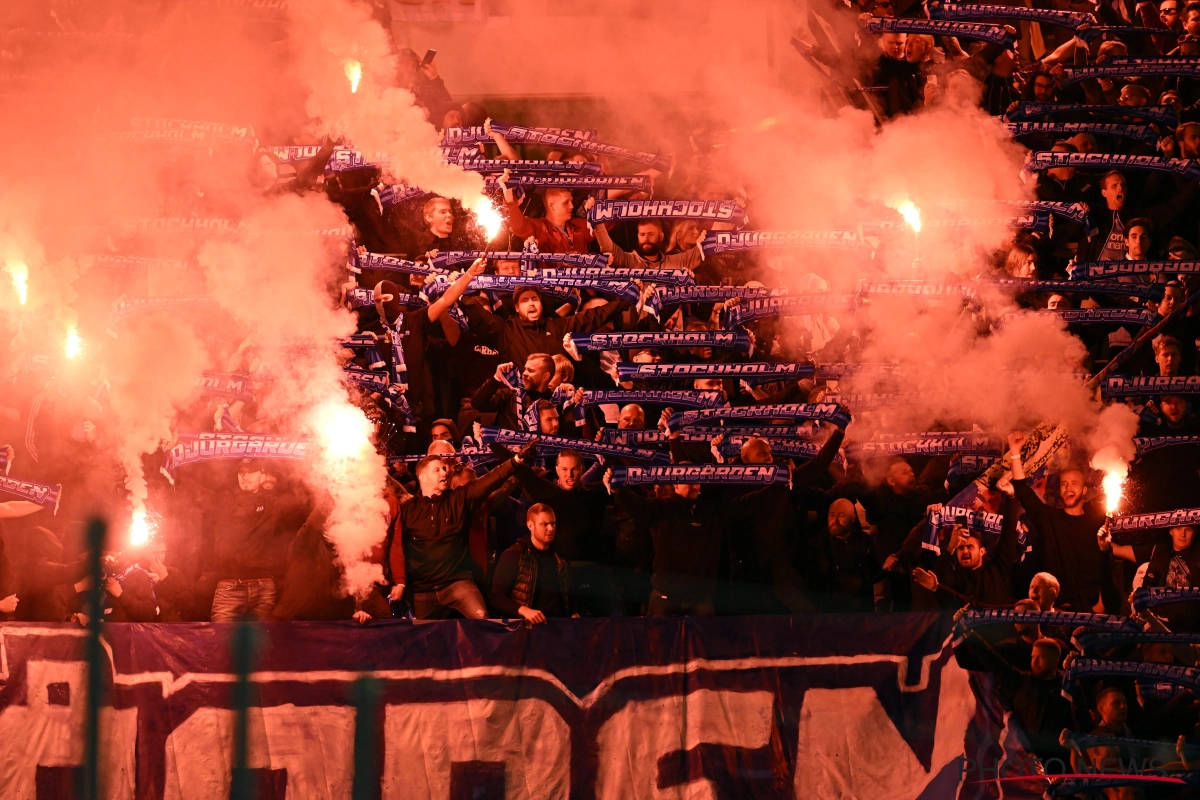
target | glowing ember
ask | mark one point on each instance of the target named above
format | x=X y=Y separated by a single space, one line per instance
x=344 y=431
x=354 y=74
x=20 y=278
x=912 y=215
x=1114 y=484
x=74 y=345
x=489 y=219
x=139 y=528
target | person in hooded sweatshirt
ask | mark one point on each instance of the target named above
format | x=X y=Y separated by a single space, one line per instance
x=46 y=585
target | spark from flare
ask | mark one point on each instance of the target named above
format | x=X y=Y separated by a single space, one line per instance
x=489 y=219
x=139 y=527
x=74 y=345
x=1114 y=485
x=353 y=73
x=20 y=279
x=911 y=214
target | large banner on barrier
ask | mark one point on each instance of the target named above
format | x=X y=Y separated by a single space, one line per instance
x=866 y=706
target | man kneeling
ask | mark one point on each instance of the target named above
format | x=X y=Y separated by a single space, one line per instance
x=531 y=580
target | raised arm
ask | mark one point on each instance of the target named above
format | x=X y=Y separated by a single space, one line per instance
x=18 y=508
x=456 y=290
x=518 y=223
x=807 y=473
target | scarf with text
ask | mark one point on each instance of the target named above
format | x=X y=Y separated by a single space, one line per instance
x=455 y=137
x=1148 y=444
x=788 y=306
x=685 y=398
x=1121 y=386
x=658 y=340
x=996 y=34
x=756 y=370
x=1063 y=19
x=703 y=474
x=449 y=258
x=193 y=448
x=1162 y=115
x=825 y=412
x=1108 y=269
x=1138 y=133
x=704 y=210
x=509 y=437
x=715 y=242
x=487 y=166
x=43 y=494
x=1044 y=159
x=932 y=445
x=1133 y=67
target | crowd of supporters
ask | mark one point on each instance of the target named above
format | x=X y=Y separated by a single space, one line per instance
x=541 y=529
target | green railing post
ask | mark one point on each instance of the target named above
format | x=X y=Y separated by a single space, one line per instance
x=94 y=655
x=366 y=693
x=246 y=643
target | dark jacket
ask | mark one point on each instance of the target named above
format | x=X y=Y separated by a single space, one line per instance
x=428 y=543
x=843 y=572
x=517 y=581
x=579 y=514
x=517 y=339
x=251 y=531
x=990 y=583
x=44 y=584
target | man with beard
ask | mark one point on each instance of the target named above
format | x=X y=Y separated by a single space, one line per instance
x=1065 y=538
x=496 y=396
x=530 y=331
x=967 y=573
x=894 y=72
x=650 y=250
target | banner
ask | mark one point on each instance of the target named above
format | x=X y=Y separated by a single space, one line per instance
x=1122 y=386
x=1162 y=115
x=704 y=210
x=868 y=706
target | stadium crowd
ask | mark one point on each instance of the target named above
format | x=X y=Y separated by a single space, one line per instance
x=543 y=527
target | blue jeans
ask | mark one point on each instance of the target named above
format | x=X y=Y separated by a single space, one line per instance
x=254 y=597
x=461 y=596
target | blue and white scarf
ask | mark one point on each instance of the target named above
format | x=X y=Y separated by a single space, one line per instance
x=672 y=277
x=750 y=370
x=1095 y=316
x=455 y=137
x=788 y=306
x=1045 y=159
x=507 y=437
x=130 y=263
x=936 y=445
x=486 y=165
x=522 y=135
x=825 y=412
x=687 y=398
x=1146 y=291
x=367 y=345
x=870 y=400
x=1163 y=115
x=715 y=242
x=444 y=260
x=1151 y=596
x=969 y=466
x=1063 y=19
x=1108 y=269
x=1138 y=133
x=704 y=210
x=996 y=34
x=1148 y=444
x=381 y=263
x=194 y=448
x=703 y=474
x=1121 y=386
x=634 y=183
x=915 y=289
x=43 y=494
x=230 y=385
x=1131 y=68
x=658 y=340
x=780 y=448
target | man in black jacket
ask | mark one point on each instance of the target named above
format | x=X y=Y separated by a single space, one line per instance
x=532 y=580
x=844 y=566
x=511 y=403
x=966 y=572
x=1065 y=543
x=428 y=543
x=529 y=331
x=251 y=528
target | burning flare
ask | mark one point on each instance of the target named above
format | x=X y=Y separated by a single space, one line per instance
x=489 y=219
x=354 y=73
x=1114 y=485
x=344 y=431
x=912 y=215
x=20 y=278
x=74 y=345
x=139 y=527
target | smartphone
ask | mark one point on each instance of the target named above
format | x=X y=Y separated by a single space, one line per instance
x=428 y=59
